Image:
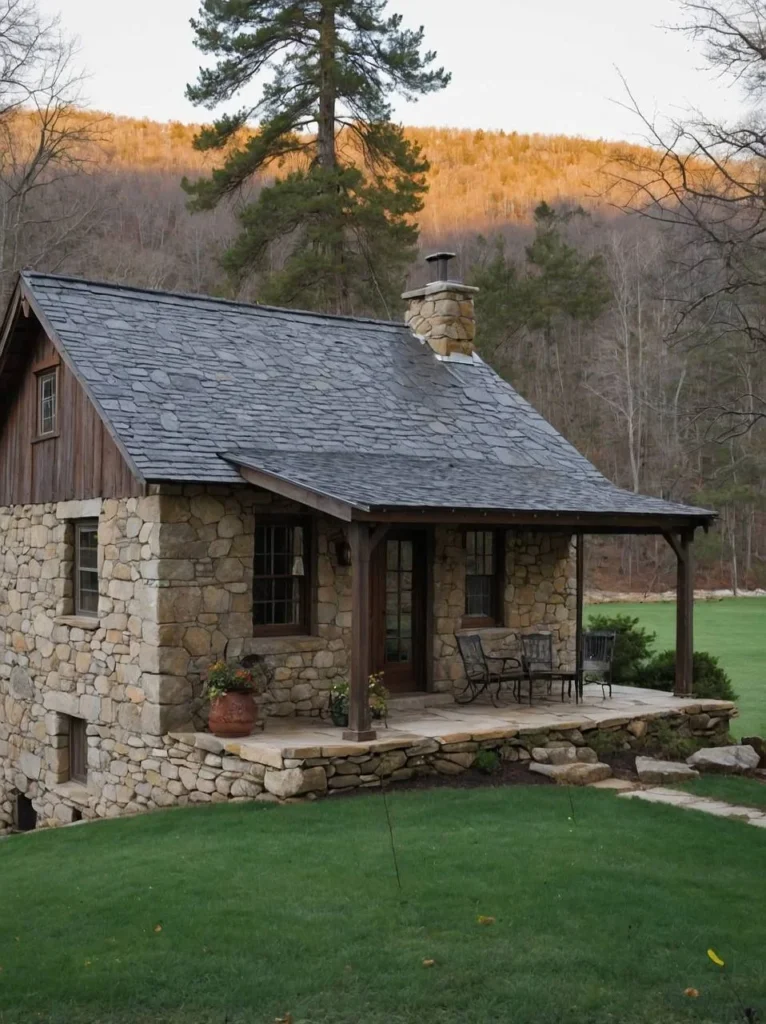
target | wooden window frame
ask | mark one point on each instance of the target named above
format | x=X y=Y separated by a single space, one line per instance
x=81 y=525
x=306 y=597
x=42 y=374
x=497 y=592
x=78 y=750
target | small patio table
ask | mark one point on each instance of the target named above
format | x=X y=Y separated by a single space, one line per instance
x=566 y=678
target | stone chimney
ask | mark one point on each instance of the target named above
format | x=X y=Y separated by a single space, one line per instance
x=442 y=312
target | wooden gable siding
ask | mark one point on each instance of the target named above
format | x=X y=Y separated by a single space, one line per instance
x=82 y=461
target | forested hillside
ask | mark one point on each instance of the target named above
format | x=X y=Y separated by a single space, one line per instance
x=579 y=311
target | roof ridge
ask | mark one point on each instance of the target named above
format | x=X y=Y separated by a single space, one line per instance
x=29 y=274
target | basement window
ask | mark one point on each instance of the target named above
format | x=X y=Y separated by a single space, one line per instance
x=47 y=402
x=86 y=567
x=78 y=750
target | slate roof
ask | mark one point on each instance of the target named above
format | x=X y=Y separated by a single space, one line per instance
x=356 y=408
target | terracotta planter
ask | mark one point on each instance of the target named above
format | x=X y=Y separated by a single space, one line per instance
x=232 y=714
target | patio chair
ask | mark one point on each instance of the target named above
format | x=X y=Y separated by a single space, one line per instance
x=597 y=657
x=537 y=661
x=480 y=677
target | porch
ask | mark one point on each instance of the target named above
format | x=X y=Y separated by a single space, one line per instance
x=430 y=734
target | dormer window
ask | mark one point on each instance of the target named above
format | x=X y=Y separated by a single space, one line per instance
x=47 y=402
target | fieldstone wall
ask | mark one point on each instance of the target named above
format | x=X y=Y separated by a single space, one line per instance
x=53 y=664
x=203 y=562
x=192 y=768
x=540 y=596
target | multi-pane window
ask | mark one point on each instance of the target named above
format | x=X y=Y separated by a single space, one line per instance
x=484 y=576
x=86 y=567
x=78 y=750
x=47 y=402
x=280 y=578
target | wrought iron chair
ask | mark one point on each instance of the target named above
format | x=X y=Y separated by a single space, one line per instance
x=597 y=657
x=537 y=662
x=480 y=677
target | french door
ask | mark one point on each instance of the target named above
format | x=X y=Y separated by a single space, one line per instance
x=398 y=609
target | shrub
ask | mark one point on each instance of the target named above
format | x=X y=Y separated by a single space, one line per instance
x=605 y=741
x=666 y=743
x=487 y=761
x=632 y=647
x=709 y=679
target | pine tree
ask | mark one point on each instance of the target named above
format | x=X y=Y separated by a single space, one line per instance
x=346 y=214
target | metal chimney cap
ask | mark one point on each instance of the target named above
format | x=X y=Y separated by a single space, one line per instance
x=440 y=261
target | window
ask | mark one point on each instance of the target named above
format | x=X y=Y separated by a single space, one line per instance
x=78 y=750
x=47 y=403
x=86 y=567
x=280 y=578
x=484 y=577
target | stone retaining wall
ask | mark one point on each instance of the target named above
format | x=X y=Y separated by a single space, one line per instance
x=194 y=768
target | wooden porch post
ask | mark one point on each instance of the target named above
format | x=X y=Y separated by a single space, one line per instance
x=359 y=719
x=580 y=563
x=682 y=545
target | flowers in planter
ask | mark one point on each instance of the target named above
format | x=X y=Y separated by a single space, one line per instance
x=339 y=699
x=223 y=677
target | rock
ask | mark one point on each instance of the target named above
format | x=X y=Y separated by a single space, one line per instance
x=587 y=755
x=391 y=761
x=294 y=781
x=637 y=728
x=759 y=746
x=540 y=754
x=21 y=685
x=576 y=774
x=733 y=759
x=657 y=772
x=620 y=785
x=562 y=755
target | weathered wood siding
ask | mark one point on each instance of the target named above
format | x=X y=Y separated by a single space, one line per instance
x=81 y=462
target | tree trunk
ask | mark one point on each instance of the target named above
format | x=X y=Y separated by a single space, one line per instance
x=327 y=90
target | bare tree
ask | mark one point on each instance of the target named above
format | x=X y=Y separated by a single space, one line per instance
x=43 y=136
x=707 y=178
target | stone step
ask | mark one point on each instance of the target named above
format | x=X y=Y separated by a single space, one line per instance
x=655 y=772
x=577 y=774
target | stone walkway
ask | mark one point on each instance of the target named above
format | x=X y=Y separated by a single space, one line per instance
x=692 y=802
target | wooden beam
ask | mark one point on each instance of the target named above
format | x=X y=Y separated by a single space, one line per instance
x=359 y=718
x=685 y=616
x=597 y=523
x=295 y=492
x=378 y=534
x=580 y=573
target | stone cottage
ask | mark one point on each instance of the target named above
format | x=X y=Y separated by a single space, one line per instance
x=184 y=479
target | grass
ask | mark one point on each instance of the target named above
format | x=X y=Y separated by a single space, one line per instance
x=603 y=911
x=733 y=630
x=746 y=792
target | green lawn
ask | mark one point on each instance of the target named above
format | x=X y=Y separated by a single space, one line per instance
x=746 y=792
x=734 y=630
x=603 y=908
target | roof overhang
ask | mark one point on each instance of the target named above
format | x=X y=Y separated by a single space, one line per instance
x=329 y=501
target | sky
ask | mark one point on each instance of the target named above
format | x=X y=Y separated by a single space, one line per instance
x=548 y=66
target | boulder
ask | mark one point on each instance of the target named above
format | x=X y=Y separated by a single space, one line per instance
x=574 y=774
x=655 y=772
x=735 y=759
x=759 y=746
x=295 y=781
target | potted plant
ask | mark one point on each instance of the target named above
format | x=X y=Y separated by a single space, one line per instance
x=230 y=689
x=339 y=699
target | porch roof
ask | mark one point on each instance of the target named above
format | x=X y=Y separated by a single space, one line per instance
x=348 y=484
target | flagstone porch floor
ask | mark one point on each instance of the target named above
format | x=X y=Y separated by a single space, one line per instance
x=297 y=738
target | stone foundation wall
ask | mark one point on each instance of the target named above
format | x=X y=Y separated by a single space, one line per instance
x=54 y=665
x=540 y=596
x=189 y=768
